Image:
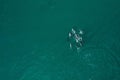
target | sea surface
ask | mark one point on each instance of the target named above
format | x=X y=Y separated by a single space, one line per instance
x=34 y=46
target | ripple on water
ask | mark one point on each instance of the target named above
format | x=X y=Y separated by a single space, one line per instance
x=99 y=63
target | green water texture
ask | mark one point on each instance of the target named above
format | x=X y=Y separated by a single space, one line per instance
x=33 y=43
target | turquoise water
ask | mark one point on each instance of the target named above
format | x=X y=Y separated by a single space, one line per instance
x=33 y=43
